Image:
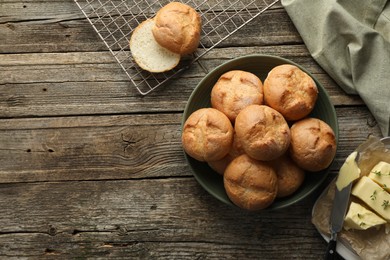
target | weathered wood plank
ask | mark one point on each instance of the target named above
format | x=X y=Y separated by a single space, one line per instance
x=127 y=147
x=14 y=10
x=49 y=84
x=45 y=11
x=146 y=219
x=97 y=248
x=24 y=30
x=120 y=147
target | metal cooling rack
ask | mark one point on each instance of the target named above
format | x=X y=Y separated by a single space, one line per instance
x=115 y=20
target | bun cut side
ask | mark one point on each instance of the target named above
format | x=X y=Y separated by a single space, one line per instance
x=147 y=53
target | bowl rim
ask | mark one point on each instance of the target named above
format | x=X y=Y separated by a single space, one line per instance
x=243 y=58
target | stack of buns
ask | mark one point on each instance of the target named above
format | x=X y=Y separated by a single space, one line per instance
x=158 y=44
x=262 y=140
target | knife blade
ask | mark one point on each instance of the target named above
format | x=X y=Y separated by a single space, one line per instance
x=339 y=209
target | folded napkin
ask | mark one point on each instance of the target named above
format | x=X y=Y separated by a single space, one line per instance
x=350 y=40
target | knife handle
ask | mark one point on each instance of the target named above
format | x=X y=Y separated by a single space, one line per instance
x=331 y=250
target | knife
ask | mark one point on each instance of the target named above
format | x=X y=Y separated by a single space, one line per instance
x=339 y=209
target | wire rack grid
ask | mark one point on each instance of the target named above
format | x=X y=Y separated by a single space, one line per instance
x=115 y=20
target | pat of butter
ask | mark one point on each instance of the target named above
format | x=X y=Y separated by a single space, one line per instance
x=349 y=172
x=374 y=196
x=360 y=218
x=381 y=175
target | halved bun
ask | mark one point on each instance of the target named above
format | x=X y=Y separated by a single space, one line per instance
x=147 y=53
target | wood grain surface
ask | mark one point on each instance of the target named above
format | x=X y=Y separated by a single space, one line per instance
x=91 y=169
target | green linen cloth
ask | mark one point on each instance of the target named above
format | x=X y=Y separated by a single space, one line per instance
x=350 y=40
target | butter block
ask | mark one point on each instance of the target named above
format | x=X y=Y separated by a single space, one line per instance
x=381 y=175
x=360 y=218
x=374 y=196
x=349 y=172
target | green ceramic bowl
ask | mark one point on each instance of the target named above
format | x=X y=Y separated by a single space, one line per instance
x=259 y=65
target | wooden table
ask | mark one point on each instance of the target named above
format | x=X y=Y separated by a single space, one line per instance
x=89 y=168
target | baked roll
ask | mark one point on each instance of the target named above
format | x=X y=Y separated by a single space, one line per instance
x=263 y=132
x=313 y=144
x=207 y=135
x=250 y=184
x=178 y=28
x=290 y=176
x=290 y=91
x=236 y=90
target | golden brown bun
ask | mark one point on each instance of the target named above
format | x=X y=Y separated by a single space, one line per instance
x=178 y=28
x=290 y=176
x=250 y=184
x=263 y=132
x=236 y=90
x=220 y=165
x=207 y=135
x=313 y=144
x=237 y=149
x=290 y=91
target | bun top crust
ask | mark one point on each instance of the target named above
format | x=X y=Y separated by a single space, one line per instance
x=263 y=132
x=178 y=28
x=236 y=90
x=236 y=150
x=250 y=184
x=290 y=91
x=207 y=135
x=313 y=144
x=290 y=176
